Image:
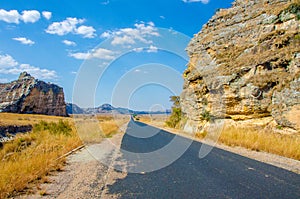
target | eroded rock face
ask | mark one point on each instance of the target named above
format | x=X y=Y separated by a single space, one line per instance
x=29 y=95
x=245 y=64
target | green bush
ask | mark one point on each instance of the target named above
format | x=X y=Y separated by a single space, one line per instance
x=295 y=9
x=176 y=115
x=175 y=118
x=205 y=115
x=62 y=127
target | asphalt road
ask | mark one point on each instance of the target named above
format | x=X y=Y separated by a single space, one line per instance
x=220 y=174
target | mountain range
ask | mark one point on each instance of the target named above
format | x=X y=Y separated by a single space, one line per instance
x=107 y=109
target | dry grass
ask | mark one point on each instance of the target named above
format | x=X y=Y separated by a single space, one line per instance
x=157 y=120
x=30 y=157
x=254 y=138
x=26 y=119
x=92 y=129
x=260 y=140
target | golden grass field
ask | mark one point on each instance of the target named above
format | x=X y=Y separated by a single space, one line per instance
x=257 y=139
x=262 y=140
x=29 y=158
x=92 y=129
x=25 y=119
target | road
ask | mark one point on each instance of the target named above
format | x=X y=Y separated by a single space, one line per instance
x=220 y=174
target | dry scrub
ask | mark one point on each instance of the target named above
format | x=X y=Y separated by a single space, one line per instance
x=262 y=140
x=26 y=119
x=92 y=129
x=158 y=120
x=253 y=138
x=30 y=157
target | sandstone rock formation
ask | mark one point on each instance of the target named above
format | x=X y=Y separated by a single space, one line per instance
x=245 y=64
x=29 y=95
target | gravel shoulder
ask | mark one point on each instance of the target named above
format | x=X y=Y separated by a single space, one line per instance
x=87 y=173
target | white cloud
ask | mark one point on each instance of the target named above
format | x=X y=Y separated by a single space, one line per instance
x=192 y=1
x=80 y=55
x=162 y=17
x=121 y=40
x=6 y=61
x=151 y=24
x=64 y=27
x=34 y=71
x=69 y=25
x=9 y=66
x=138 y=50
x=86 y=31
x=105 y=35
x=100 y=53
x=30 y=16
x=11 y=16
x=152 y=49
x=47 y=14
x=140 y=33
x=69 y=43
x=24 y=40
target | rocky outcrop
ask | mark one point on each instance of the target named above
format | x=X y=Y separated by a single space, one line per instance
x=29 y=95
x=245 y=64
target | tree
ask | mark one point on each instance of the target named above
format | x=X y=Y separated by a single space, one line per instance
x=175 y=117
x=175 y=100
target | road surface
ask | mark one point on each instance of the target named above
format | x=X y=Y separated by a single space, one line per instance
x=220 y=174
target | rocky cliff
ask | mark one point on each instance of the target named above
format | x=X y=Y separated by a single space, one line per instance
x=29 y=95
x=245 y=65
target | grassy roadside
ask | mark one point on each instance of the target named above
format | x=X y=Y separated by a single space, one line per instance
x=29 y=158
x=286 y=145
x=92 y=129
x=256 y=139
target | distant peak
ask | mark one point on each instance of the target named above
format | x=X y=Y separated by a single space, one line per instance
x=24 y=75
x=106 y=105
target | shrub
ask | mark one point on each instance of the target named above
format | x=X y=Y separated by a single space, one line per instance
x=175 y=118
x=205 y=115
x=62 y=127
x=176 y=115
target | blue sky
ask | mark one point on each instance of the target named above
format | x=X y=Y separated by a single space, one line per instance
x=94 y=48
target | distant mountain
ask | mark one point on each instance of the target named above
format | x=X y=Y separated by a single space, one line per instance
x=108 y=109
x=74 y=109
x=103 y=109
